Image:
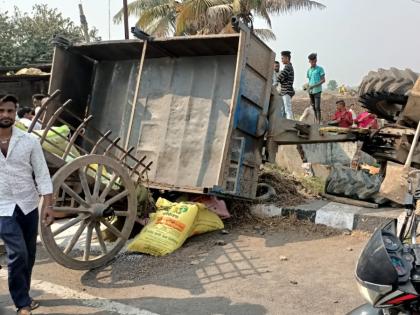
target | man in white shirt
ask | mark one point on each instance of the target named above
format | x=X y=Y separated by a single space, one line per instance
x=21 y=157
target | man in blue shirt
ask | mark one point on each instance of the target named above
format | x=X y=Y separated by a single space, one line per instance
x=316 y=77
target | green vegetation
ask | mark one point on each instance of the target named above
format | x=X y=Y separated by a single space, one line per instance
x=332 y=85
x=190 y=17
x=314 y=185
x=26 y=38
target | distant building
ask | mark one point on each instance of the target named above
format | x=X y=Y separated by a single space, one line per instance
x=24 y=86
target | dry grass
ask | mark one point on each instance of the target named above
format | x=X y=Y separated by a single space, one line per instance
x=290 y=191
x=306 y=186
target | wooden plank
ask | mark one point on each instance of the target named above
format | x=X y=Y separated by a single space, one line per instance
x=352 y=202
x=134 y=104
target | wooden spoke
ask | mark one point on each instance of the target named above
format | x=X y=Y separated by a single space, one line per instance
x=108 y=187
x=71 y=209
x=100 y=238
x=90 y=192
x=75 y=237
x=85 y=184
x=69 y=224
x=88 y=242
x=74 y=195
x=121 y=213
x=116 y=198
x=98 y=180
x=112 y=228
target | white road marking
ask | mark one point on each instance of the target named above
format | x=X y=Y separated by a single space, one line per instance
x=84 y=298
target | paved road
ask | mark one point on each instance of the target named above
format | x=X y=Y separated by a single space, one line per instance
x=244 y=277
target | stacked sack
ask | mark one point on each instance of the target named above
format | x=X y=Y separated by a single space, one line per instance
x=172 y=224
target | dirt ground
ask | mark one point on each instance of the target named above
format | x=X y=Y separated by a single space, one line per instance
x=259 y=267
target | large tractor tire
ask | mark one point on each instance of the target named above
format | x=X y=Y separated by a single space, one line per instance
x=385 y=92
x=360 y=185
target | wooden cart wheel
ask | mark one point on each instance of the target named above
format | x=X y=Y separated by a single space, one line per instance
x=107 y=192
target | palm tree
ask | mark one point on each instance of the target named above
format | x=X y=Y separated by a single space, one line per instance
x=165 y=17
x=246 y=10
x=157 y=17
x=194 y=18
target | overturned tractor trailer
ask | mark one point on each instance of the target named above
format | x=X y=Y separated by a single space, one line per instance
x=193 y=105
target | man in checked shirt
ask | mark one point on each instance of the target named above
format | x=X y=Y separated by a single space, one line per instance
x=21 y=157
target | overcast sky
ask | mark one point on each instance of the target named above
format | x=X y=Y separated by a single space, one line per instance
x=351 y=37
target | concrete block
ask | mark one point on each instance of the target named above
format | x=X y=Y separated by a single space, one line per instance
x=265 y=211
x=289 y=158
x=337 y=215
x=335 y=219
x=321 y=171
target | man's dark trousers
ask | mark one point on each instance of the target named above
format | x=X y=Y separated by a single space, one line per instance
x=316 y=104
x=19 y=233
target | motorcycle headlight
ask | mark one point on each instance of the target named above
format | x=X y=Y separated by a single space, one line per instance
x=368 y=294
x=372 y=292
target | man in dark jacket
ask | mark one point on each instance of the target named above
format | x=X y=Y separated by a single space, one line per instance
x=286 y=79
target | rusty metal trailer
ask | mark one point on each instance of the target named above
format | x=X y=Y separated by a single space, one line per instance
x=193 y=105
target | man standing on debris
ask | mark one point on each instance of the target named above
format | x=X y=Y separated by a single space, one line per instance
x=21 y=158
x=316 y=77
x=286 y=79
x=342 y=116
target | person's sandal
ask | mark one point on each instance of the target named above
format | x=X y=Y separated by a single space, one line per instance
x=24 y=311
x=34 y=305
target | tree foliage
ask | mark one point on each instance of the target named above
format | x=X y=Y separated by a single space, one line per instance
x=190 y=17
x=26 y=37
x=332 y=85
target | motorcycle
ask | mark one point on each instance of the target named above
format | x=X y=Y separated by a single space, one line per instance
x=388 y=269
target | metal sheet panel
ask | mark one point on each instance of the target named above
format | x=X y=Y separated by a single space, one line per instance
x=113 y=94
x=110 y=50
x=72 y=74
x=246 y=116
x=253 y=95
x=253 y=86
x=258 y=57
x=182 y=117
x=192 y=46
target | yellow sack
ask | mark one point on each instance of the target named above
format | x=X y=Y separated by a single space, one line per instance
x=206 y=221
x=167 y=230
